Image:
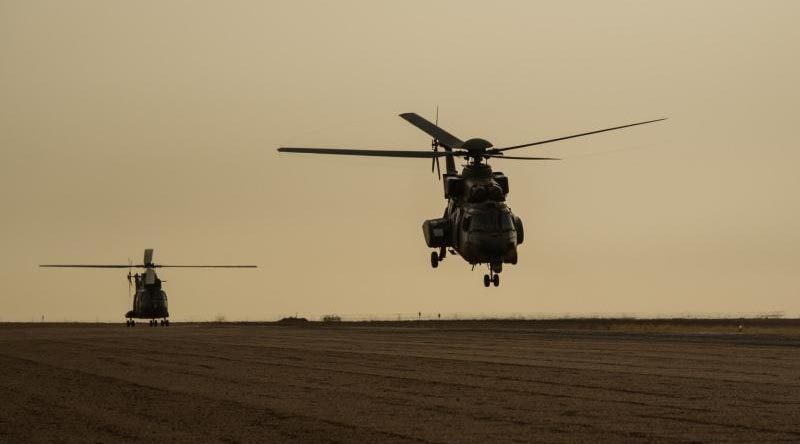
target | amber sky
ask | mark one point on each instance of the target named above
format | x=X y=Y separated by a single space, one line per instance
x=127 y=125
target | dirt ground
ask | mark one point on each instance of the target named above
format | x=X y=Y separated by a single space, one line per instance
x=457 y=382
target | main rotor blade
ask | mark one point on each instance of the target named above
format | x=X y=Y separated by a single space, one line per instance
x=143 y=266
x=524 y=158
x=205 y=266
x=373 y=153
x=576 y=135
x=432 y=130
x=88 y=266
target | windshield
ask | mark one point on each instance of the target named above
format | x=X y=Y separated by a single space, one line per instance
x=491 y=221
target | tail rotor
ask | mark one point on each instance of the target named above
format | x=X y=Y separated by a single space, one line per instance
x=435 y=148
x=130 y=265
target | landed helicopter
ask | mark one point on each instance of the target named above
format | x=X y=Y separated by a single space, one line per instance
x=149 y=301
x=477 y=224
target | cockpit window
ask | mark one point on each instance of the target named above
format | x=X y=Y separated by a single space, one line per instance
x=484 y=222
x=491 y=221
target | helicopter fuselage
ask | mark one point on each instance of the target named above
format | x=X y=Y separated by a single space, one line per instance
x=149 y=302
x=477 y=223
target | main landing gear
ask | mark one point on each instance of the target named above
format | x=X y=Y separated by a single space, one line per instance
x=156 y=322
x=438 y=257
x=153 y=323
x=493 y=277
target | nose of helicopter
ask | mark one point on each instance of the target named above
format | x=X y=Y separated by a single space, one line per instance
x=491 y=245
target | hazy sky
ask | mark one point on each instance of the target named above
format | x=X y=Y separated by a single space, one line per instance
x=128 y=125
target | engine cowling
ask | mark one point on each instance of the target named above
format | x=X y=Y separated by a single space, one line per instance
x=501 y=180
x=453 y=187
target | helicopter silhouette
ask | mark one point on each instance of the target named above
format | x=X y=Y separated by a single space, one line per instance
x=477 y=224
x=149 y=300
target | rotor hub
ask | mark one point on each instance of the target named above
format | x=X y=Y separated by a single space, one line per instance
x=476 y=149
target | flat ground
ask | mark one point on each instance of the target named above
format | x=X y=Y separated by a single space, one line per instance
x=570 y=381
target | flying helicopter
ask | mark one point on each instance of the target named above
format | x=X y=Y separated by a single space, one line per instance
x=477 y=224
x=149 y=300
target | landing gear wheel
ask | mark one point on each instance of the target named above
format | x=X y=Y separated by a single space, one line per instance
x=496 y=280
x=133 y=323
x=486 y=280
x=162 y=322
x=434 y=259
x=166 y=322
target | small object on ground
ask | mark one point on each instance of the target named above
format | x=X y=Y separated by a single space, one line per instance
x=293 y=320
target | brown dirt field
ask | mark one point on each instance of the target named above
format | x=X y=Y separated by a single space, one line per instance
x=459 y=382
